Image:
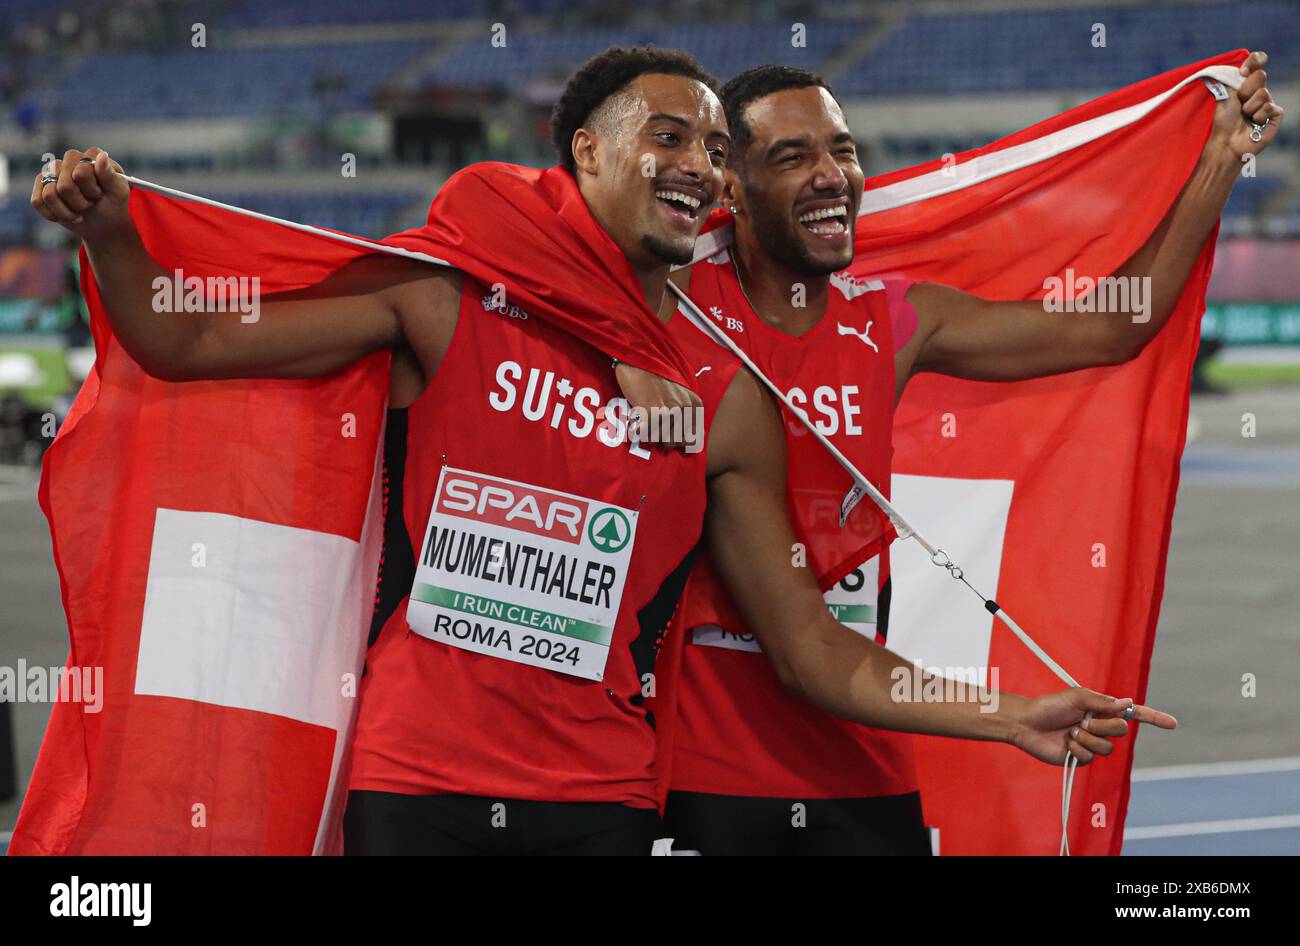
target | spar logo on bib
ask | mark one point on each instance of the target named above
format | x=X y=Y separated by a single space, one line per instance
x=609 y=530
x=519 y=573
x=528 y=509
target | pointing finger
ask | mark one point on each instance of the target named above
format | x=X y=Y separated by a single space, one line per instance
x=1153 y=717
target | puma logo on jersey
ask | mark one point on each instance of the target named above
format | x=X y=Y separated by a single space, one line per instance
x=704 y=369
x=864 y=334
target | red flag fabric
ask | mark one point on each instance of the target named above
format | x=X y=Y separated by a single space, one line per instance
x=1056 y=494
x=484 y=208
x=217 y=542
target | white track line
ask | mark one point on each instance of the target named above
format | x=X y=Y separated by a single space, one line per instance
x=1210 y=769
x=1227 y=826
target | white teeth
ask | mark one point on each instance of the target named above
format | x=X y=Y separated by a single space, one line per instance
x=812 y=215
x=833 y=226
x=689 y=201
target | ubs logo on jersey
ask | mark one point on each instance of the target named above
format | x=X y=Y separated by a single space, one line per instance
x=732 y=325
x=550 y=399
x=497 y=301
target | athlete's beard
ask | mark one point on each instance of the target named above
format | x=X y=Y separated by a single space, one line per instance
x=663 y=250
x=779 y=241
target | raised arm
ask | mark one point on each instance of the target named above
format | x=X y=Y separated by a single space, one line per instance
x=968 y=337
x=752 y=545
x=299 y=334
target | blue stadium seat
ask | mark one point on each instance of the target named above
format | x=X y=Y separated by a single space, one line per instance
x=16 y=215
x=250 y=14
x=221 y=82
x=724 y=49
x=1052 y=49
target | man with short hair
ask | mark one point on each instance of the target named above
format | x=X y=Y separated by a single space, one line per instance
x=743 y=750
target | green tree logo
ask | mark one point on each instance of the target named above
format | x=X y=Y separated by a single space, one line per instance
x=609 y=530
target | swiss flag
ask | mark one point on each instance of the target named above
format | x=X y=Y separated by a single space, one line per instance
x=217 y=544
x=1055 y=495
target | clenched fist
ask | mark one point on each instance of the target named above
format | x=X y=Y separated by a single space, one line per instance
x=649 y=394
x=89 y=196
x=1251 y=107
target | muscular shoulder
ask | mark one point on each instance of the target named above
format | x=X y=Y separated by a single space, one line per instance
x=746 y=431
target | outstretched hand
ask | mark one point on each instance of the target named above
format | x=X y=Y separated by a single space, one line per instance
x=1058 y=723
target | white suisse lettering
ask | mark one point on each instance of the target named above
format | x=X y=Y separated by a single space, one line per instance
x=552 y=398
x=505 y=371
x=835 y=408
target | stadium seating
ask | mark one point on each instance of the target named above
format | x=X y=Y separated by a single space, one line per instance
x=259 y=14
x=278 y=80
x=303 y=81
x=1024 y=50
x=724 y=49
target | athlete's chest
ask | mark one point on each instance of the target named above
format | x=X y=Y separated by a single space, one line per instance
x=533 y=510
x=838 y=373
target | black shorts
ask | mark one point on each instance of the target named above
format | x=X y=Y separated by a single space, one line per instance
x=732 y=824
x=392 y=823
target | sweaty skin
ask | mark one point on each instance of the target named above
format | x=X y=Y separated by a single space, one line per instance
x=675 y=127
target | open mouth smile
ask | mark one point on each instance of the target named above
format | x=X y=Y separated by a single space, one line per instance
x=827 y=221
x=683 y=206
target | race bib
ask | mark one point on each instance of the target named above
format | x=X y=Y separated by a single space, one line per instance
x=852 y=602
x=522 y=573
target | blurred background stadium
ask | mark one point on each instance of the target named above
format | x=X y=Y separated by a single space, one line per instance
x=351 y=114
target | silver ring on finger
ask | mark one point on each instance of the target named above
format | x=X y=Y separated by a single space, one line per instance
x=48 y=178
x=1128 y=713
x=85 y=159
